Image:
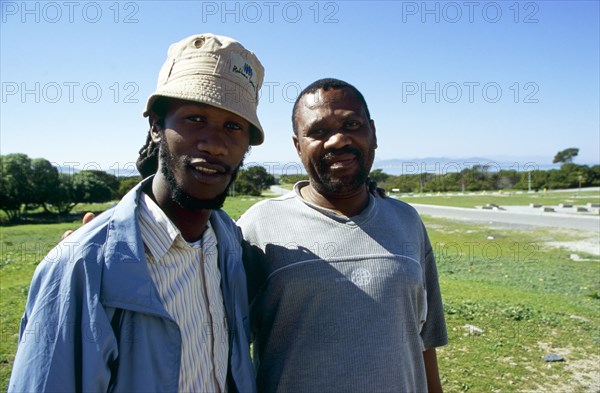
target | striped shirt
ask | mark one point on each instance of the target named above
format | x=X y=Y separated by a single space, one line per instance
x=188 y=280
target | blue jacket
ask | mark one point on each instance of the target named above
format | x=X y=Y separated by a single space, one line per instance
x=94 y=320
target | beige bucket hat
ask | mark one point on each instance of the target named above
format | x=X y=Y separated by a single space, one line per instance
x=215 y=70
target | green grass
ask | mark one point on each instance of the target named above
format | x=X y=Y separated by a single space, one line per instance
x=287 y=186
x=82 y=208
x=38 y=215
x=238 y=205
x=507 y=199
x=530 y=299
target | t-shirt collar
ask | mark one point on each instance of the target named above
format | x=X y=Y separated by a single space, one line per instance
x=362 y=216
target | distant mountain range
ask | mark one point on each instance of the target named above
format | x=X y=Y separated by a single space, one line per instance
x=123 y=172
x=403 y=166
x=441 y=165
x=448 y=164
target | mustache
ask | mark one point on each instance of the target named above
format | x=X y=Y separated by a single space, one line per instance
x=332 y=154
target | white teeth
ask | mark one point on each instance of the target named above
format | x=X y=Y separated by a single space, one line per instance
x=206 y=170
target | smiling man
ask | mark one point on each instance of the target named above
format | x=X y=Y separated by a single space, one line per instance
x=343 y=284
x=151 y=295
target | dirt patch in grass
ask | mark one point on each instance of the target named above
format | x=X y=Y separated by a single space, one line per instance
x=588 y=246
x=586 y=242
x=579 y=374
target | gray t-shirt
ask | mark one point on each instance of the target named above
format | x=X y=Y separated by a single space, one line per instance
x=340 y=304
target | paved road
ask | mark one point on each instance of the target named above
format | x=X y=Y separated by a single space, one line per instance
x=278 y=190
x=515 y=217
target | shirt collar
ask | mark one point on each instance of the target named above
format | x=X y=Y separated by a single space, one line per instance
x=158 y=231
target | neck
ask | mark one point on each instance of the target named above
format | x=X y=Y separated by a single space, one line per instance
x=348 y=204
x=191 y=223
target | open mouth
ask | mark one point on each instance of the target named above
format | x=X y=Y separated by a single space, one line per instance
x=208 y=172
x=342 y=161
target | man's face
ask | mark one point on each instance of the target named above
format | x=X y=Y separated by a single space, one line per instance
x=336 y=141
x=201 y=150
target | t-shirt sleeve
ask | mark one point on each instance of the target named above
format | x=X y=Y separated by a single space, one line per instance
x=434 y=332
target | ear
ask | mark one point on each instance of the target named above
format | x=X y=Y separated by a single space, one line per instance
x=155 y=134
x=372 y=123
x=297 y=145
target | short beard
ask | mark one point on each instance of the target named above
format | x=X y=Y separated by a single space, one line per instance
x=178 y=194
x=329 y=184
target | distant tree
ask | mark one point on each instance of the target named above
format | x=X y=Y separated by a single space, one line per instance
x=110 y=180
x=379 y=176
x=572 y=176
x=257 y=176
x=81 y=187
x=292 y=179
x=126 y=184
x=558 y=179
x=593 y=176
x=475 y=177
x=565 y=156
x=62 y=199
x=244 y=187
x=505 y=181
x=433 y=184
x=45 y=180
x=15 y=187
x=88 y=187
x=536 y=179
x=408 y=183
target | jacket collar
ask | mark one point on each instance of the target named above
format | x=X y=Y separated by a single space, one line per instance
x=126 y=281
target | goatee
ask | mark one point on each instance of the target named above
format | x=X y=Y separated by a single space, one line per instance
x=329 y=183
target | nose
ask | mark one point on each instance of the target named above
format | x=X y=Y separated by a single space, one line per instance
x=337 y=140
x=211 y=140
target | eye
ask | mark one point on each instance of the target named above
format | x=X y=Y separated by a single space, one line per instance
x=316 y=133
x=196 y=119
x=230 y=125
x=352 y=125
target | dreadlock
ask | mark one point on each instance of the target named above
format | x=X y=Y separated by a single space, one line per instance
x=147 y=162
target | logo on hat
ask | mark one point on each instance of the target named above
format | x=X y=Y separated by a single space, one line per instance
x=246 y=71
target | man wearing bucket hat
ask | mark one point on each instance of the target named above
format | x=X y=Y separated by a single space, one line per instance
x=151 y=295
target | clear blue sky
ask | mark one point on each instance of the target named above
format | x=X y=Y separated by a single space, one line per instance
x=505 y=78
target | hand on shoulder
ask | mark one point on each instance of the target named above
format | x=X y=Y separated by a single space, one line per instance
x=87 y=217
